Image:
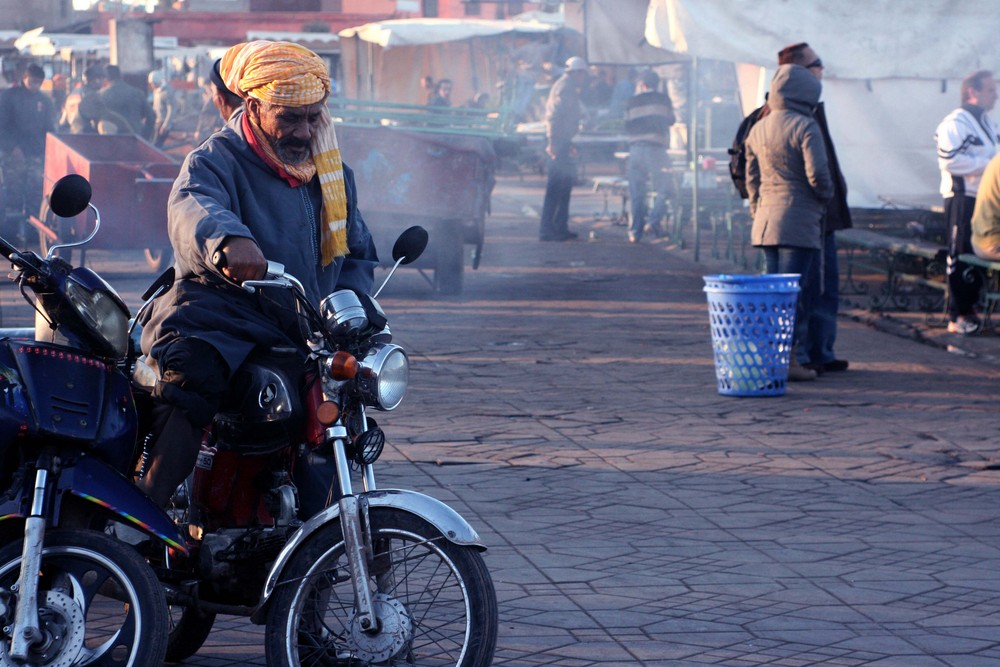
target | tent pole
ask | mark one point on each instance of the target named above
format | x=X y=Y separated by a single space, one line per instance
x=694 y=148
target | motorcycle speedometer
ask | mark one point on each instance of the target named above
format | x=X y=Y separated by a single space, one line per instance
x=383 y=375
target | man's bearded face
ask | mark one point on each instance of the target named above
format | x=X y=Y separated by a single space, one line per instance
x=290 y=130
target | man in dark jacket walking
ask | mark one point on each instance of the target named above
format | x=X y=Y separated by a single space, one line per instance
x=562 y=122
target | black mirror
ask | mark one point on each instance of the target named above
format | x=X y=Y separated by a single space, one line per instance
x=70 y=196
x=410 y=245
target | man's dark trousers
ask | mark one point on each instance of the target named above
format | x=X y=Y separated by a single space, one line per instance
x=555 y=210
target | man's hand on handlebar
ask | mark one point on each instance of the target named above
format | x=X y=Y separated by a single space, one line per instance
x=240 y=259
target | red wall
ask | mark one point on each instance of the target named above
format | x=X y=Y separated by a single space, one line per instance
x=226 y=28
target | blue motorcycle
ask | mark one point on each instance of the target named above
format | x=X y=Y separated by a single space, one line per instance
x=70 y=593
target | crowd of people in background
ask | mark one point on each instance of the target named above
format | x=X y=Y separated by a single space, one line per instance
x=155 y=108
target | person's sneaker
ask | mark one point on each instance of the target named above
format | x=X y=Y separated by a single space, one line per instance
x=963 y=325
x=799 y=373
x=633 y=238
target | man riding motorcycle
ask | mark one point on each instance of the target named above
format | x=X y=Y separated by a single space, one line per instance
x=270 y=185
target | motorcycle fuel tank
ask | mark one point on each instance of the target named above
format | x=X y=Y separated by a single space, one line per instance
x=263 y=406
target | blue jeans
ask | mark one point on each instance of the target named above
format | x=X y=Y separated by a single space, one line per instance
x=647 y=168
x=790 y=259
x=822 y=332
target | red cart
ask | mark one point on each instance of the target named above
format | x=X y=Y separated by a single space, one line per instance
x=131 y=180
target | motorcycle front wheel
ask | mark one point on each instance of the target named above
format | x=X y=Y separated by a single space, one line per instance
x=98 y=603
x=435 y=601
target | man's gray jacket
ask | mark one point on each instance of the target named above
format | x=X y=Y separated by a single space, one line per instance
x=225 y=189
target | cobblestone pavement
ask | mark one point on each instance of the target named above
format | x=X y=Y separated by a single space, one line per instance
x=566 y=405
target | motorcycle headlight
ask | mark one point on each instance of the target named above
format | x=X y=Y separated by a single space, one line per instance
x=102 y=316
x=383 y=375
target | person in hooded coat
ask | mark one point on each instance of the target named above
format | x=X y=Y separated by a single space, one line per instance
x=789 y=183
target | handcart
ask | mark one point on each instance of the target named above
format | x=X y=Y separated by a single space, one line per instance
x=429 y=177
x=131 y=180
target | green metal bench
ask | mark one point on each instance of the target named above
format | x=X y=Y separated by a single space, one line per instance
x=991 y=290
x=492 y=123
x=914 y=270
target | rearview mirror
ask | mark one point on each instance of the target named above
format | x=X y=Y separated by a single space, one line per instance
x=70 y=196
x=410 y=245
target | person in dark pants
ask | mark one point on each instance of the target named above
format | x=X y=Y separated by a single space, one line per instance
x=816 y=351
x=967 y=140
x=648 y=117
x=562 y=121
x=789 y=183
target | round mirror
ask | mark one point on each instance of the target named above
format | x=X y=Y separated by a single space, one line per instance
x=70 y=196
x=410 y=244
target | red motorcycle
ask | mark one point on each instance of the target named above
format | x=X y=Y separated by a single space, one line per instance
x=377 y=576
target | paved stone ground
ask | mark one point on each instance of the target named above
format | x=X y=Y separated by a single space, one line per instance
x=566 y=405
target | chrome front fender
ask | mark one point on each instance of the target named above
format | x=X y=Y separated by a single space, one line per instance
x=451 y=524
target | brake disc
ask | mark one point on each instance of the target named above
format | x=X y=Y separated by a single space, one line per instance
x=394 y=634
x=63 y=628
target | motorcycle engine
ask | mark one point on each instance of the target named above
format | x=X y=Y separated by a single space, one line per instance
x=262 y=412
x=235 y=562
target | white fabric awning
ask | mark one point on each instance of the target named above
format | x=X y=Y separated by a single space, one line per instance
x=418 y=32
x=858 y=39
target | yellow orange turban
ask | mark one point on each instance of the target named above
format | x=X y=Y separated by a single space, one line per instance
x=281 y=73
x=287 y=74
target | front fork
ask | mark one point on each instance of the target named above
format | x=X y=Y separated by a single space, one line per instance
x=26 y=630
x=355 y=526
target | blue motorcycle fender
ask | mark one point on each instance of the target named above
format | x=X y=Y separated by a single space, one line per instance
x=95 y=482
x=433 y=511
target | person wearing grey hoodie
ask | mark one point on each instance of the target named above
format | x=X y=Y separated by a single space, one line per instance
x=789 y=183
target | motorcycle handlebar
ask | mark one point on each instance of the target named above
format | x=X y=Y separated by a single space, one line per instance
x=274 y=277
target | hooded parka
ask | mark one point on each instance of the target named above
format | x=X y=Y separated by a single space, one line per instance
x=788 y=177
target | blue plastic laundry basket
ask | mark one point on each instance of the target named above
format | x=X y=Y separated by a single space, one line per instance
x=752 y=318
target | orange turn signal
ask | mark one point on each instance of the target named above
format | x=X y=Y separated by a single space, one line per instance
x=327 y=413
x=342 y=366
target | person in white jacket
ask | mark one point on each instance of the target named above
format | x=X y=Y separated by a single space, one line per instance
x=967 y=139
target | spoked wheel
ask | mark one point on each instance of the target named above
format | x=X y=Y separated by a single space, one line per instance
x=189 y=628
x=98 y=603
x=435 y=601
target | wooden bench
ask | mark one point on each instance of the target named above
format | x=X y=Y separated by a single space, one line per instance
x=991 y=286
x=914 y=270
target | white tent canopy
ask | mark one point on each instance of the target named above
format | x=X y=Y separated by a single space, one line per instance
x=385 y=60
x=39 y=43
x=859 y=39
x=420 y=32
x=890 y=75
